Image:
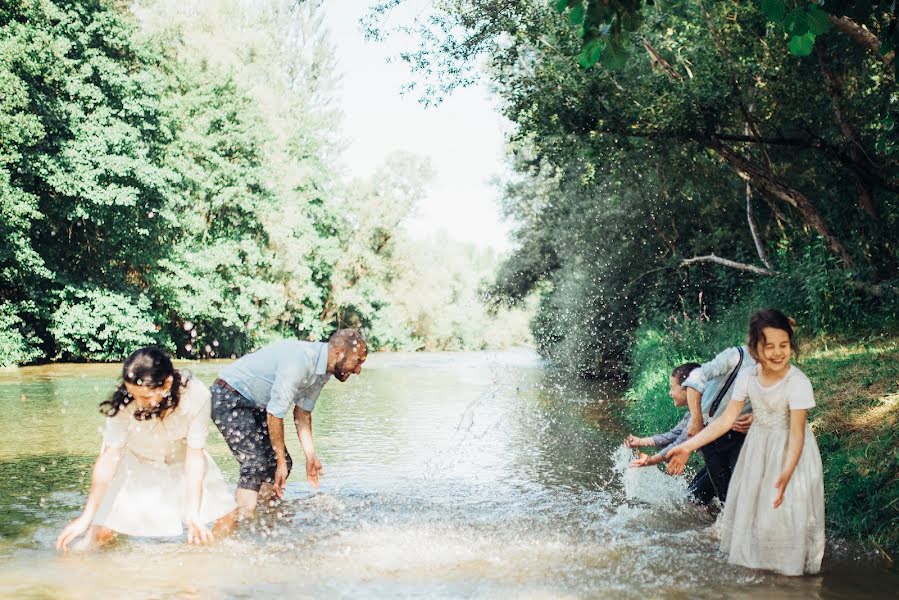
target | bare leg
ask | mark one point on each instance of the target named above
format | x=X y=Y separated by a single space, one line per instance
x=246 y=500
x=267 y=493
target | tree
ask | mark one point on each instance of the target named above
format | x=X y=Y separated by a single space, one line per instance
x=652 y=154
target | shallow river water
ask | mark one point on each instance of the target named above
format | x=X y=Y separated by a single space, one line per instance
x=445 y=476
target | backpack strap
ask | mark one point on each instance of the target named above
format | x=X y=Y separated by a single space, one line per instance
x=730 y=380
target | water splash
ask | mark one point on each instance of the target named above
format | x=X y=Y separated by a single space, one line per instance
x=650 y=485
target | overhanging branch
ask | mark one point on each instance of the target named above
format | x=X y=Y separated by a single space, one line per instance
x=862 y=36
x=727 y=263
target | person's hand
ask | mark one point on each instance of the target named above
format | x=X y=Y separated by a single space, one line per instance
x=281 y=473
x=694 y=427
x=677 y=460
x=71 y=531
x=640 y=461
x=742 y=424
x=781 y=486
x=197 y=533
x=313 y=471
x=633 y=441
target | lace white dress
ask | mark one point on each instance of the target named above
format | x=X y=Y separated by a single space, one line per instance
x=788 y=539
x=148 y=492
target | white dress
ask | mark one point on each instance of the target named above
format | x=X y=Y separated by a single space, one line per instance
x=148 y=492
x=788 y=539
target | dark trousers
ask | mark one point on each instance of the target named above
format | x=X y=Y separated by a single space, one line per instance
x=721 y=459
x=701 y=490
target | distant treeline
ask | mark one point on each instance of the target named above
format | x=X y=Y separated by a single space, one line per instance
x=171 y=176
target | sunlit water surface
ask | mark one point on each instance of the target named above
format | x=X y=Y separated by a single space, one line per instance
x=446 y=476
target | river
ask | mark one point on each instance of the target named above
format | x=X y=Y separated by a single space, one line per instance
x=463 y=475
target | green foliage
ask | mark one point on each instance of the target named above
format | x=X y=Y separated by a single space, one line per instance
x=622 y=176
x=16 y=345
x=151 y=190
x=219 y=276
x=80 y=168
x=98 y=324
x=775 y=10
x=609 y=21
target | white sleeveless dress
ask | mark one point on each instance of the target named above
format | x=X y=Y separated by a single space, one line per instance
x=788 y=539
x=148 y=492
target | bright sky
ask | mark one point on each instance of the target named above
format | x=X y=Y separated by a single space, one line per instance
x=462 y=137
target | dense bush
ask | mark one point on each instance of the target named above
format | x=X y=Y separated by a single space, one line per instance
x=94 y=324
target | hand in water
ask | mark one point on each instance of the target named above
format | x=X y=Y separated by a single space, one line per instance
x=72 y=531
x=280 y=480
x=197 y=532
x=313 y=471
x=742 y=424
x=640 y=461
x=677 y=460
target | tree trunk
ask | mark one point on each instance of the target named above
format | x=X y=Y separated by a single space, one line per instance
x=835 y=90
x=759 y=246
x=763 y=179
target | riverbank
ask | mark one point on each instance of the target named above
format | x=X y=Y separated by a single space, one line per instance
x=856 y=420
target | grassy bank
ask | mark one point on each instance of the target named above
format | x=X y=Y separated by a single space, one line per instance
x=856 y=421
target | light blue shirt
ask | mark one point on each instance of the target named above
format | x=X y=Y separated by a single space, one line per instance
x=281 y=375
x=709 y=378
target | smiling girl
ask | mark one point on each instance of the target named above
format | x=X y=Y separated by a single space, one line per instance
x=774 y=516
x=153 y=476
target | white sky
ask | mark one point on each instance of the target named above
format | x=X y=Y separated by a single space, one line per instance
x=462 y=137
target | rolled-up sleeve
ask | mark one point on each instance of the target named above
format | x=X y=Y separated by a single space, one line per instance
x=290 y=383
x=696 y=380
x=664 y=439
x=678 y=441
x=716 y=368
x=721 y=365
x=309 y=396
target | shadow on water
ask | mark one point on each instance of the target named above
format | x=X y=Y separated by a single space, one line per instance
x=446 y=476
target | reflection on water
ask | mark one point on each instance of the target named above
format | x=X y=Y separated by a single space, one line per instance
x=446 y=475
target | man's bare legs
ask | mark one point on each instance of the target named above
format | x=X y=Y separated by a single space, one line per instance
x=246 y=500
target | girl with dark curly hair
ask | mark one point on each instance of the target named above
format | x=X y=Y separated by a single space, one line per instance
x=153 y=476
